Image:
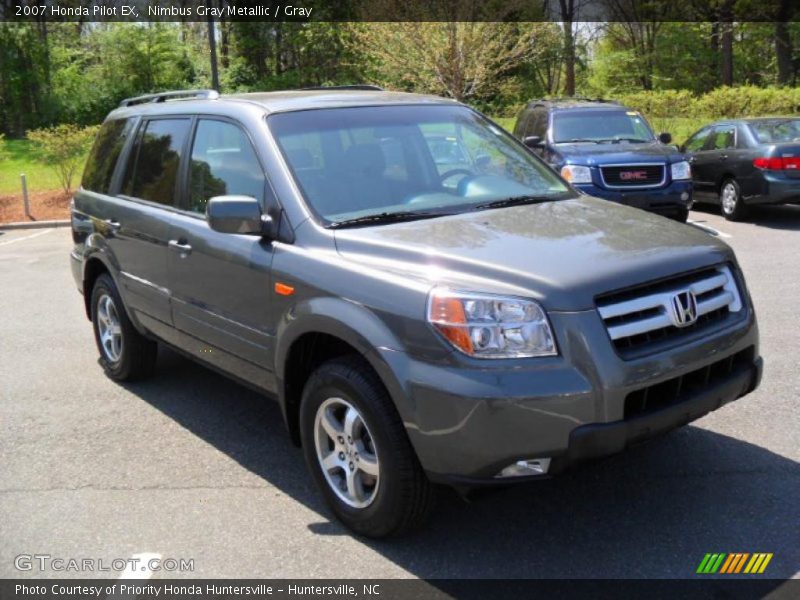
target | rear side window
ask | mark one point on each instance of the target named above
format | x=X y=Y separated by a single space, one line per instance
x=103 y=157
x=153 y=169
x=724 y=137
x=223 y=163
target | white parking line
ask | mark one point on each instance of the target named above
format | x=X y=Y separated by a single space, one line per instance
x=140 y=569
x=709 y=229
x=27 y=237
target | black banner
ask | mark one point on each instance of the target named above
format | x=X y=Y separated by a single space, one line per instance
x=733 y=588
x=80 y=11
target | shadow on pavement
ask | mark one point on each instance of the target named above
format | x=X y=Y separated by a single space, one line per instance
x=651 y=512
x=786 y=217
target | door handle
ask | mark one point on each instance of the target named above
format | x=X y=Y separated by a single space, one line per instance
x=180 y=246
x=112 y=224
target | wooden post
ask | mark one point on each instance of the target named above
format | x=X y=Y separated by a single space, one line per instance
x=25 y=203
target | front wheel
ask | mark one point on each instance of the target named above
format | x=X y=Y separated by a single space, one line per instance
x=358 y=452
x=682 y=215
x=730 y=198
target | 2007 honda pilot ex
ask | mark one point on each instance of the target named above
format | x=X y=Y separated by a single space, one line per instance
x=426 y=299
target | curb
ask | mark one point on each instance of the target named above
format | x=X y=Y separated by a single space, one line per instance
x=35 y=224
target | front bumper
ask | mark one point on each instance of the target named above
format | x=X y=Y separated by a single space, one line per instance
x=468 y=421
x=670 y=199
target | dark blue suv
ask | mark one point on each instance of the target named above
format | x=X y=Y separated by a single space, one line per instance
x=609 y=151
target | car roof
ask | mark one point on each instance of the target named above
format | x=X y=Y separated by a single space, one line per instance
x=283 y=101
x=576 y=103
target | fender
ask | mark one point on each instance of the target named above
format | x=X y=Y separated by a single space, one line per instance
x=96 y=248
x=352 y=323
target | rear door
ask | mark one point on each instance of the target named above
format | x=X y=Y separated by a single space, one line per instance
x=138 y=219
x=220 y=282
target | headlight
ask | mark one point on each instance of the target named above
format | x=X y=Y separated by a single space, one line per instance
x=576 y=174
x=488 y=326
x=681 y=170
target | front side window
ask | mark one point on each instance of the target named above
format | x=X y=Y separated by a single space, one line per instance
x=697 y=141
x=600 y=126
x=105 y=152
x=223 y=164
x=355 y=162
x=153 y=169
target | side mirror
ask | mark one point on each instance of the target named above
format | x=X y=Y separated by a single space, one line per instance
x=665 y=138
x=237 y=214
x=533 y=141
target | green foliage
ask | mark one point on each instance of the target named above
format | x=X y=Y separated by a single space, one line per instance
x=682 y=113
x=21 y=158
x=63 y=147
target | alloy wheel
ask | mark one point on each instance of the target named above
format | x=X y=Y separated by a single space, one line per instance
x=346 y=452
x=109 y=328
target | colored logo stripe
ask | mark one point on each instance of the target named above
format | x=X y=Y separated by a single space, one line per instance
x=734 y=562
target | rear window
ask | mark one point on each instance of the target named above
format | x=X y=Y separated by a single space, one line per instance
x=103 y=157
x=779 y=130
x=153 y=168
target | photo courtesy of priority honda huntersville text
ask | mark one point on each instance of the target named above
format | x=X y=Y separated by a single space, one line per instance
x=429 y=301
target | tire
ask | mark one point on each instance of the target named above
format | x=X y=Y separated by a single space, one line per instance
x=395 y=495
x=682 y=215
x=732 y=206
x=129 y=356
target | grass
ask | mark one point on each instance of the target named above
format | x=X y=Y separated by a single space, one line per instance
x=20 y=158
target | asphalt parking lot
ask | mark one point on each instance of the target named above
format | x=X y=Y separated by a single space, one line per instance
x=191 y=465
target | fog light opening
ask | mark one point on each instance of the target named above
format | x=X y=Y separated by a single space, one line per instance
x=521 y=468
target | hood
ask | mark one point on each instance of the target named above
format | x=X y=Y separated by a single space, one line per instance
x=561 y=253
x=624 y=152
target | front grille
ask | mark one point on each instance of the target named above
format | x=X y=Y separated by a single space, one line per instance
x=644 y=317
x=676 y=390
x=631 y=176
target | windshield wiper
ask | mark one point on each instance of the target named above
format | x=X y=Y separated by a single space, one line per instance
x=617 y=140
x=387 y=217
x=577 y=141
x=514 y=201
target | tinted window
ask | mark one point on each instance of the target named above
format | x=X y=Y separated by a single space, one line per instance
x=697 y=141
x=153 y=168
x=724 y=137
x=223 y=163
x=356 y=162
x=105 y=152
x=539 y=124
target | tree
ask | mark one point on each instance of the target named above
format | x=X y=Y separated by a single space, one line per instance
x=64 y=148
x=463 y=60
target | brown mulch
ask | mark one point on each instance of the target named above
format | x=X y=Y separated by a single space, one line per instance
x=53 y=204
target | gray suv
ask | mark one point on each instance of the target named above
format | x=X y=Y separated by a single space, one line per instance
x=426 y=299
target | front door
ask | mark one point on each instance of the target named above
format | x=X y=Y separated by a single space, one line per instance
x=220 y=282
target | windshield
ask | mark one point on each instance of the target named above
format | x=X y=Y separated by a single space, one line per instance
x=600 y=126
x=352 y=163
x=779 y=130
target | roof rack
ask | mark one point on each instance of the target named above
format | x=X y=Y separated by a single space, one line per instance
x=360 y=86
x=575 y=99
x=164 y=96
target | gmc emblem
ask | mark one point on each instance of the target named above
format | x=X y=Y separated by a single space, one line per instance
x=633 y=175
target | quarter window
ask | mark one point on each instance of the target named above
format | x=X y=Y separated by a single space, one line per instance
x=223 y=163
x=153 y=169
x=105 y=152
